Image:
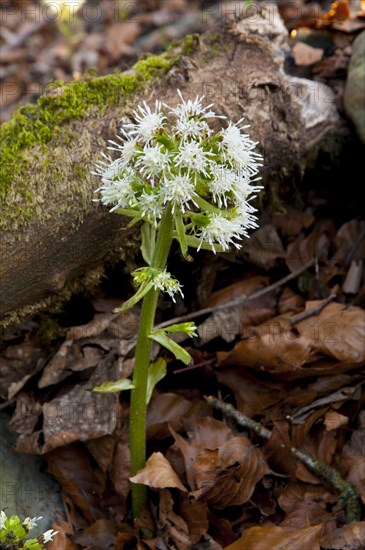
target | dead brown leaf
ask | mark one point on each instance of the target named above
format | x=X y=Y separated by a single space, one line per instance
x=163 y=409
x=334 y=420
x=101 y=534
x=195 y=515
x=293 y=222
x=337 y=332
x=349 y=537
x=304 y=249
x=346 y=236
x=277 y=538
x=252 y=395
x=305 y=505
x=80 y=481
x=306 y=55
x=174 y=532
x=227 y=323
x=228 y=475
x=263 y=247
x=158 y=473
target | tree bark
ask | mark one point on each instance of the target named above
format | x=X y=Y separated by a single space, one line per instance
x=61 y=238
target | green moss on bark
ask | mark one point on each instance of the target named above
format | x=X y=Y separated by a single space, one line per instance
x=26 y=138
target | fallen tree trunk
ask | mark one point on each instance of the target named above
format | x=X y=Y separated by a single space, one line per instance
x=54 y=239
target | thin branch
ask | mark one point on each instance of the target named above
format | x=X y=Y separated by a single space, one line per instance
x=348 y=494
x=312 y=311
x=355 y=246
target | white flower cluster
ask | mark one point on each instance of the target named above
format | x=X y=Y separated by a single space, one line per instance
x=12 y=528
x=173 y=157
x=160 y=280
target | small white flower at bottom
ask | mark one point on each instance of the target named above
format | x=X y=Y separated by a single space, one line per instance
x=30 y=523
x=48 y=535
x=3 y=518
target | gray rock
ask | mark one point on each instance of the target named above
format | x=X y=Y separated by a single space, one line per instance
x=355 y=86
x=25 y=489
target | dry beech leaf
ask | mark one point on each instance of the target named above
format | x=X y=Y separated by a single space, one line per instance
x=227 y=323
x=334 y=420
x=264 y=247
x=173 y=530
x=337 y=331
x=305 y=249
x=349 y=537
x=228 y=475
x=293 y=221
x=345 y=238
x=205 y=434
x=158 y=473
x=277 y=538
x=306 y=55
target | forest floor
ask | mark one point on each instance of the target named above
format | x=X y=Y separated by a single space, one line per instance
x=281 y=335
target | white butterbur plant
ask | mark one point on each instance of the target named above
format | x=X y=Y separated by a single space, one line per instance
x=14 y=533
x=182 y=180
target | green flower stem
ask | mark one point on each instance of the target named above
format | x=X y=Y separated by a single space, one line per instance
x=142 y=362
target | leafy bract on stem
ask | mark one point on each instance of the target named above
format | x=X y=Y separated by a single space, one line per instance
x=183 y=181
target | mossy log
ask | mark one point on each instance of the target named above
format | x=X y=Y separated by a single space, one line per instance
x=54 y=238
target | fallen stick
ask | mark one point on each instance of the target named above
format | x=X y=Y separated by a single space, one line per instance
x=352 y=501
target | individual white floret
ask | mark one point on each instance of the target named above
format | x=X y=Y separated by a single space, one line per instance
x=178 y=191
x=165 y=282
x=193 y=157
x=30 y=523
x=150 y=206
x=192 y=108
x=222 y=184
x=48 y=535
x=221 y=230
x=3 y=518
x=192 y=128
x=148 y=122
x=153 y=161
x=238 y=149
x=119 y=192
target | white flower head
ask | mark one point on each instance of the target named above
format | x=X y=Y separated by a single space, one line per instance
x=222 y=184
x=30 y=523
x=167 y=283
x=3 y=518
x=148 y=122
x=193 y=157
x=153 y=161
x=189 y=108
x=151 y=206
x=221 y=230
x=119 y=192
x=48 y=535
x=237 y=149
x=174 y=160
x=178 y=191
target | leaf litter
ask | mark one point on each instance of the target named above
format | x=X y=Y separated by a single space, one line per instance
x=292 y=360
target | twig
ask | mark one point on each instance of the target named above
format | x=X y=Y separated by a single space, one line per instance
x=348 y=494
x=240 y=300
x=355 y=246
x=312 y=311
x=240 y=418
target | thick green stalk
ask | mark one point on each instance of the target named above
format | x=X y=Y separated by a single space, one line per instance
x=142 y=362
